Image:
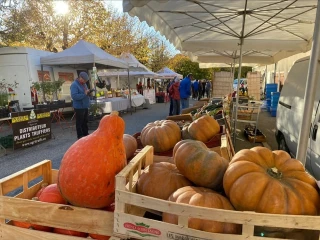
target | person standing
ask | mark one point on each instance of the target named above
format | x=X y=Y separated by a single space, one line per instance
x=208 y=88
x=80 y=96
x=203 y=87
x=175 y=95
x=185 y=91
x=196 y=88
x=200 y=90
x=170 y=96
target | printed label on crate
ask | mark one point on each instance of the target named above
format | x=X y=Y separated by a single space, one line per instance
x=178 y=236
x=30 y=127
x=142 y=229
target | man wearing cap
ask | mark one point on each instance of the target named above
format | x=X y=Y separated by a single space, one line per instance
x=185 y=91
x=81 y=102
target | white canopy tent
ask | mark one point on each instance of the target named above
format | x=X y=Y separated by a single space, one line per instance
x=83 y=55
x=273 y=29
x=167 y=73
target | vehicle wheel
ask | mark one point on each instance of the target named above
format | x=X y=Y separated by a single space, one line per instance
x=282 y=144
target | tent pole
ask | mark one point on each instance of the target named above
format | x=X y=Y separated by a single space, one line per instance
x=237 y=96
x=275 y=72
x=265 y=79
x=310 y=92
x=239 y=74
x=42 y=78
x=129 y=91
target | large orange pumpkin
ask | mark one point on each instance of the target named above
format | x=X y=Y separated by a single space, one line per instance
x=88 y=168
x=202 y=197
x=260 y=180
x=162 y=135
x=160 y=180
x=204 y=128
x=130 y=144
x=201 y=166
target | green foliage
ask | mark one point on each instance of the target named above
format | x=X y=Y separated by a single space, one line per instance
x=183 y=65
x=4 y=98
x=48 y=87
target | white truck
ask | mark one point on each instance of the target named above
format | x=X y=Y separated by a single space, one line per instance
x=22 y=65
x=289 y=116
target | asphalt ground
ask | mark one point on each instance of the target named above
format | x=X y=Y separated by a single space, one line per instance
x=64 y=135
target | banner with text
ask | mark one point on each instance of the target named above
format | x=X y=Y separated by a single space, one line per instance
x=30 y=127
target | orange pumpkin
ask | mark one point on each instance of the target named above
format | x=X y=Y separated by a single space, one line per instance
x=162 y=135
x=201 y=166
x=130 y=144
x=70 y=232
x=88 y=168
x=99 y=237
x=202 y=197
x=51 y=194
x=266 y=181
x=165 y=176
x=204 y=128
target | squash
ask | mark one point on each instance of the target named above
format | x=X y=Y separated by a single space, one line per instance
x=130 y=144
x=204 y=128
x=162 y=135
x=51 y=194
x=266 y=181
x=202 y=197
x=201 y=166
x=87 y=172
x=160 y=180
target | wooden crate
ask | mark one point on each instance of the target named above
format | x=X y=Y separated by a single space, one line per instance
x=21 y=208
x=131 y=207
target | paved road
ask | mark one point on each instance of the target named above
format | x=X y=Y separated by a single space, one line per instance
x=64 y=137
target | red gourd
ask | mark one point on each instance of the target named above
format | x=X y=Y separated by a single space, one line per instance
x=88 y=168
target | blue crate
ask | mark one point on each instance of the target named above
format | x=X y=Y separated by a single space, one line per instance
x=275 y=94
x=273 y=111
x=268 y=102
x=271 y=86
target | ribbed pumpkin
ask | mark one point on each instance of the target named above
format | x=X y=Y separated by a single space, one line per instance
x=266 y=181
x=160 y=180
x=130 y=144
x=201 y=166
x=204 y=128
x=162 y=135
x=88 y=168
x=202 y=197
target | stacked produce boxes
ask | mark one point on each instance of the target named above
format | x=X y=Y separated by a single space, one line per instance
x=221 y=84
x=254 y=85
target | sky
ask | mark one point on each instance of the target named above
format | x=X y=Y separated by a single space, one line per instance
x=117 y=4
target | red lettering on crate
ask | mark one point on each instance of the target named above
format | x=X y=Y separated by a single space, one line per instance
x=141 y=227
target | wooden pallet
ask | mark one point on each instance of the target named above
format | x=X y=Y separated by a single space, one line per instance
x=21 y=208
x=131 y=207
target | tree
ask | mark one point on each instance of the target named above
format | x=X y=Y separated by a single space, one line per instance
x=183 y=65
x=36 y=24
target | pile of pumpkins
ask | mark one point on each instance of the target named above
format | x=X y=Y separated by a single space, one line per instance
x=256 y=179
x=163 y=135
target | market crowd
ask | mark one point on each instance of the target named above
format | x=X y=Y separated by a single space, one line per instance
x=181 y=91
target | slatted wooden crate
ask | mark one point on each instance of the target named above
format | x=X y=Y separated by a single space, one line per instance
x=130 y=222
x=21 y=208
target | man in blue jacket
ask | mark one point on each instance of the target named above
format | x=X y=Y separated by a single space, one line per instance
x=185 y=91
x=81 y=102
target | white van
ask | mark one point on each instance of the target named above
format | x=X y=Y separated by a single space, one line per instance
x=289 y=116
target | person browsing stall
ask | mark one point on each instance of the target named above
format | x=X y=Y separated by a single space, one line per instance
x=175 y=95
x=185 y=91
x=81 y=102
